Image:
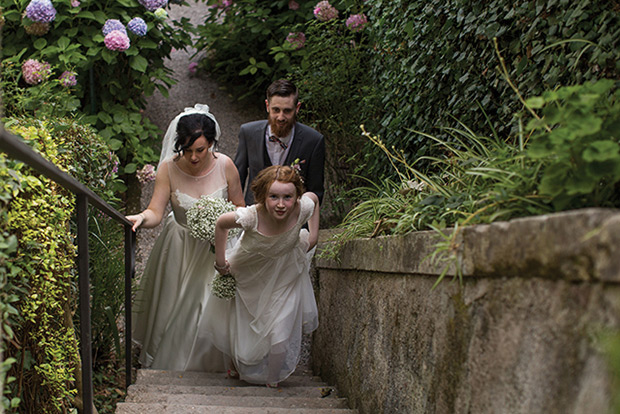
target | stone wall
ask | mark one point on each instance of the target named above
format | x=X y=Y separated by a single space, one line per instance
x=517 y=335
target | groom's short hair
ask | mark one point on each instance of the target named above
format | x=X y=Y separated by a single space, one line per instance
x=284 y=88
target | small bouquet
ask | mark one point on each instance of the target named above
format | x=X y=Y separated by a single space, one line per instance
x=223 y=286
x=201 y=217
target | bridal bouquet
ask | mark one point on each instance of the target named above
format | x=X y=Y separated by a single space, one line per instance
x=201 y=217
x=223 y=286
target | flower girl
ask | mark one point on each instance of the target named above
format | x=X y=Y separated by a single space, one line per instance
x=261 y=328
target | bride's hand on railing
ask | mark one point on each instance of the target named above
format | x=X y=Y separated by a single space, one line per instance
x=137 y=220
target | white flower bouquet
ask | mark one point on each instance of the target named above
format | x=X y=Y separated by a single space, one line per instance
x=201 y=217
x=223 y=286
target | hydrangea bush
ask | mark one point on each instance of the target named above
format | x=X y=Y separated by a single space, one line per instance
x=277 y=40
x=115 y=50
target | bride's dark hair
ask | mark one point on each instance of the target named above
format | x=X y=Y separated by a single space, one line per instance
x=190 y=128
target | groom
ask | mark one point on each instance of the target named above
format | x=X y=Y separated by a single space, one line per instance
x=280 y=140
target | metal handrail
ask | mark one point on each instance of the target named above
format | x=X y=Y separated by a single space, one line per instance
x=16 y=148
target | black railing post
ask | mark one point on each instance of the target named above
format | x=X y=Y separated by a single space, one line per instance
x=84 y=286
x=130 y=237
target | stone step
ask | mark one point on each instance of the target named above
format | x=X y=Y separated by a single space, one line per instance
x=239 y=391
x=133 y=408
x=157 y=377
x=237 y=401
x=176 y=392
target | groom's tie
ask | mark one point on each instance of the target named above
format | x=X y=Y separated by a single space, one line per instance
x=273 y=138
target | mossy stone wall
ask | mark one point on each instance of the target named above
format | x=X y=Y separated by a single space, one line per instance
x=518 y=335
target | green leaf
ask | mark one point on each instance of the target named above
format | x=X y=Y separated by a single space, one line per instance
x=130 y=168
x=535 y=102
x=86 y=15
x=63 y=42
x=115 y=144
x=601 y=151
x=138 y=63
x=40 y=43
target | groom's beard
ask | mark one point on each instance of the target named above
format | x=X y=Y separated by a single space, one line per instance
x=281 y=130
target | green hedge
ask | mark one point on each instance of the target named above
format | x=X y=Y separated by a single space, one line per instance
x=435 y=61
x=39 y=271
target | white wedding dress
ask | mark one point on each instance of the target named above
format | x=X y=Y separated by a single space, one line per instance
x=261 y=328
x=174 y=290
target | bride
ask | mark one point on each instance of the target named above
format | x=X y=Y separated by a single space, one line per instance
x=174 y=288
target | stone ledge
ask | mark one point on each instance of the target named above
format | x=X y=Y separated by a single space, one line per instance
x=576 y=245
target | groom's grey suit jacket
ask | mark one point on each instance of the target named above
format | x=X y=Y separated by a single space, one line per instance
x=308 y=145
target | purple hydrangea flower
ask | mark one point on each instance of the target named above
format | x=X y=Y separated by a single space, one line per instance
x=356 y=22
x=68 y=78
x=152 y=5
x=137 y=26
x=41 y=11
x=325 y=11
x=296 y=39
x=117 y=40
x=113 y=24
x=35 y=72
x=192 y=68
x=75 y=3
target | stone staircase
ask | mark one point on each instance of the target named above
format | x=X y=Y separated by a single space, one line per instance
x=170 y=392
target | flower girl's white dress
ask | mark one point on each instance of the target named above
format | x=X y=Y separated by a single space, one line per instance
x=174 y=289
x=261 y=328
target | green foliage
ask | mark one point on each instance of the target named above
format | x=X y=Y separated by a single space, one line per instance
x=51 y=288
x=435 y=60
x=337 y=92
x=238 y=40
x=49 y=99
x=44 y=348
x=111 y=84
x=107 y=270
x=478 y=179
x=9 y=292
x=578 y=135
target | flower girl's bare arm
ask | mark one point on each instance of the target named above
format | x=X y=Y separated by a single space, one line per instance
x=222 y=225
x=313 y=223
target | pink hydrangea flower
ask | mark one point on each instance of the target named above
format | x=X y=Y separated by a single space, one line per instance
x=146 y=174
x=117 y=40
x=68 y=79
x=75 y=3
x=35 y=72
x=325 y=11
x=293 y=5
x=356 y=22
x=192 y=68
x=296 y=39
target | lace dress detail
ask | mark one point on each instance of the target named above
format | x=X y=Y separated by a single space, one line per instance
x=261 y=329
x=174 y=289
